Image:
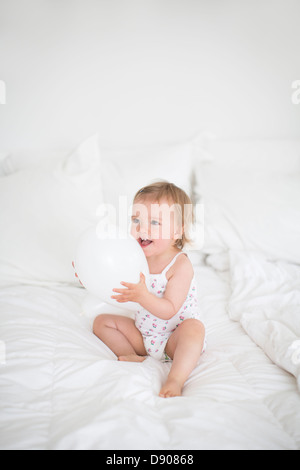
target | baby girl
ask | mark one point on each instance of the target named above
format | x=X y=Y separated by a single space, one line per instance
x=167 y=324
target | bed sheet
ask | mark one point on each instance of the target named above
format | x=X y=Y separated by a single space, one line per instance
x=61 y=388
x=265 y=299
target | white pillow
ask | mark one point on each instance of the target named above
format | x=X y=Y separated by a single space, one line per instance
x=43 y=211
x=127 y=169
x=12 y=162
x=251 y=210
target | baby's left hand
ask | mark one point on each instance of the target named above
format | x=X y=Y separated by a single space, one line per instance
x=133 y=292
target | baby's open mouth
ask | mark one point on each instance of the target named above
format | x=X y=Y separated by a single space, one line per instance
x=144 y=242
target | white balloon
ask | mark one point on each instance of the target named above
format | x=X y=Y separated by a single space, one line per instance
x=102 y=263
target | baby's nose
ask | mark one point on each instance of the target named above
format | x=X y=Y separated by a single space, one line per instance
x=143 y=234
x=143 y=229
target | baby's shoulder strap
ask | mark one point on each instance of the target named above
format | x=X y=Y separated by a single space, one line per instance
x=172 y=262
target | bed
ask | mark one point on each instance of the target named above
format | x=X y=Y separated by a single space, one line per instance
x=61 y=388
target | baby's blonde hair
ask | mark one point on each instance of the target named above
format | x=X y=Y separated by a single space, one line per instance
x=175 y=195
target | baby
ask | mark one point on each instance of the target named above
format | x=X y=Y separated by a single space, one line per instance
x=167 y=325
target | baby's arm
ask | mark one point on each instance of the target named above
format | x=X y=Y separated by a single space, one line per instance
x=175 y=294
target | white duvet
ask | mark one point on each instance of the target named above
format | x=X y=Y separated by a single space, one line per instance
x=266 y=301
x=61 y=388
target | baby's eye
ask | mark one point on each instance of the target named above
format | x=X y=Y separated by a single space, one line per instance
x=135 y=220
x=154 y=222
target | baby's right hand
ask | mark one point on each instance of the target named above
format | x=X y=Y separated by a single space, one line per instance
x=76 y=275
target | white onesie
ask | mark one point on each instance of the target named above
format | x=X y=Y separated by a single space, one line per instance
x=157 y=331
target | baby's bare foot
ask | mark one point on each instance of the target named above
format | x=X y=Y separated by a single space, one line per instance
x=132 y=358
x=172 y=388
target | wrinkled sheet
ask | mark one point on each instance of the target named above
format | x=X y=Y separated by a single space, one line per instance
x=61 y=388
x=265 y=299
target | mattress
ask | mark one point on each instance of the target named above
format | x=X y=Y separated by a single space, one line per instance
x=62 y=388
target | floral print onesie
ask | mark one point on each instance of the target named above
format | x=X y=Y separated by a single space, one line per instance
x=157 y=331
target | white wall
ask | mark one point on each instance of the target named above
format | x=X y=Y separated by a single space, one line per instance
x=147 y=70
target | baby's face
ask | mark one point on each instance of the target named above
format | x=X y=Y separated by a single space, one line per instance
x=154 y=225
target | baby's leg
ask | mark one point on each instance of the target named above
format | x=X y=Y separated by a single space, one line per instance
x=120 y=334
x=185 y=346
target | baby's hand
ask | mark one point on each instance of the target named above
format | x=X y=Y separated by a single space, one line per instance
x=133 y=292
x=76 y=275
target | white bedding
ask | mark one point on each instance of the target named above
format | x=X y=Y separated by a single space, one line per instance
x=266 y=300
x=61 y=388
